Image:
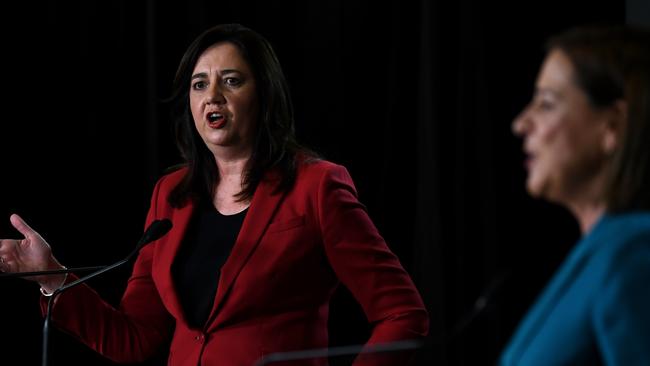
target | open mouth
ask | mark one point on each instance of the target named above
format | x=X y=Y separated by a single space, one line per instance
x=214 y=117
x=529 y=160
x=216 y=120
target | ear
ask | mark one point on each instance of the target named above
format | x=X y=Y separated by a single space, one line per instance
x=615 y=125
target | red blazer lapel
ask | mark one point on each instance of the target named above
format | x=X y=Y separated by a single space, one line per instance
x=263 y=206
x=166 y=255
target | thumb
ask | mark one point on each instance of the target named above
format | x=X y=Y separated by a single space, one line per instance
x=21 y=226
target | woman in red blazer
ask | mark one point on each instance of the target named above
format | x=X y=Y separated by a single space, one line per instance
x=263 y=232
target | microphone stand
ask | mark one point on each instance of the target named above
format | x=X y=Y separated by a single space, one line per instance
x=403 y=345
x=481 y=304
x=50 y=272
x=157 y=229
x=57 y=292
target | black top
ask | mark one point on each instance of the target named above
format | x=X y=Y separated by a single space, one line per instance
x=208 y=241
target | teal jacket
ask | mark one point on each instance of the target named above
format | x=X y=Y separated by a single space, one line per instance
x=596 y=309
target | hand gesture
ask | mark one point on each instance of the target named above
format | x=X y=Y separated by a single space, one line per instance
x=29 y=254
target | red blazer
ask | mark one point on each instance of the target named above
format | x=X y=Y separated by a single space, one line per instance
x=274 y=289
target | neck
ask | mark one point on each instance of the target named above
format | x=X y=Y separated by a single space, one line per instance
x=231 y=171
x=231 y=168
x=587 y=214
x=586 y=201
x=232 y=162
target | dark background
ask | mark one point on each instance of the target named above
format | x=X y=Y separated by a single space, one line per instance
x=415 y=98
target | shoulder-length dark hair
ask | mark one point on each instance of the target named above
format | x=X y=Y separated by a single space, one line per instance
x=612 y=64
x=275 y=146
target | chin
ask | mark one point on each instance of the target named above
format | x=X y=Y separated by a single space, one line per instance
x=533 y=192
x=545 y=191
x=533 y=187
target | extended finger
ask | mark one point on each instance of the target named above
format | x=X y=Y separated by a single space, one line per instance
x=21 y=226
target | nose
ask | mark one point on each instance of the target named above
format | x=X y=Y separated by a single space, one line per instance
x=215 y=95
x=521 y=123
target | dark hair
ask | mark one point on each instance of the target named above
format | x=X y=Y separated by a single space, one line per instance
x=612 y=64
x=274 y=145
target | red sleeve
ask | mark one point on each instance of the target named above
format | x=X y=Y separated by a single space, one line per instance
x=132 y=333
x=365 y=265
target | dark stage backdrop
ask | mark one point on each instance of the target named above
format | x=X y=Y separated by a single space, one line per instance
x=414 y=97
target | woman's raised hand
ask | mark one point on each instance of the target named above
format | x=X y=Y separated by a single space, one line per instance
x=30 y=254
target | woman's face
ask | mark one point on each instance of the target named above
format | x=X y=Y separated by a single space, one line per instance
x=564 y=135
x=223 y=99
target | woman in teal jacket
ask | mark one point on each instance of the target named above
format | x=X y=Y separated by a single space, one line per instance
x=586 y=138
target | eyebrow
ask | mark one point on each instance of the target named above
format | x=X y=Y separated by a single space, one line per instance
x=202 y=75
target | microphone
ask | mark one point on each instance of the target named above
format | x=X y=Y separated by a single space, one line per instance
x=156 y=230
x=482 y=303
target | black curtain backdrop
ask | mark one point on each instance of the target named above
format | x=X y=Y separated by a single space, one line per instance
x=415 y=98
